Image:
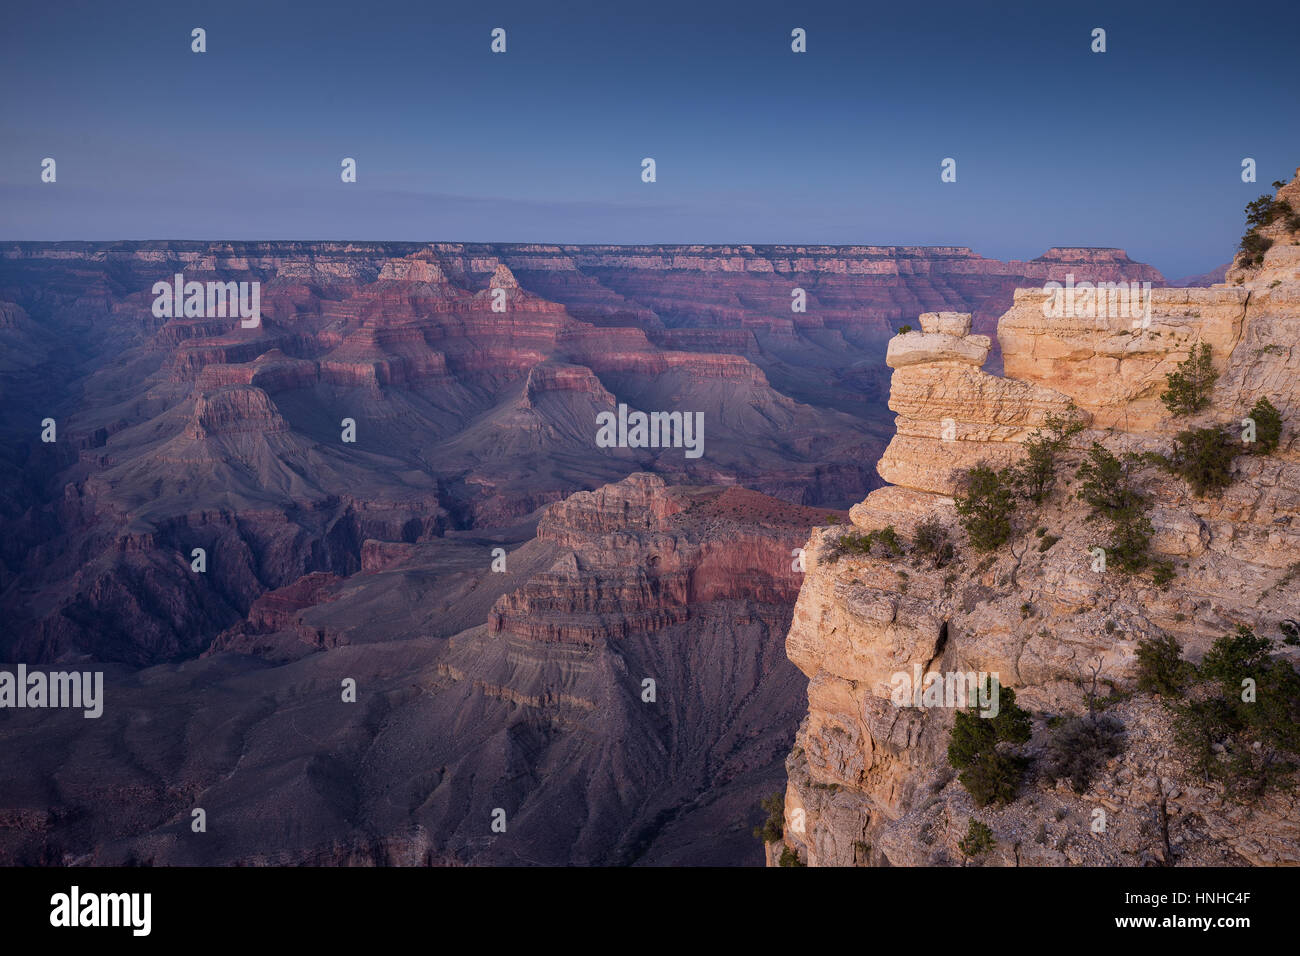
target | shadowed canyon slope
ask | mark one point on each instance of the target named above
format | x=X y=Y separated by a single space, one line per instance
x=543 y=711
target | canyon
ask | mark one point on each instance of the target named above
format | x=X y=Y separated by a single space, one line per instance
x=517 y=688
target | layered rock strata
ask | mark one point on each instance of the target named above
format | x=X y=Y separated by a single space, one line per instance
x=869 y=782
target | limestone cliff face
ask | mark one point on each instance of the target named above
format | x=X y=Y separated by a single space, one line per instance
x=869 y=783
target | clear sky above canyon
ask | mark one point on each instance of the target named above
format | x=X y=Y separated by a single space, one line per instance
x=1139 y=147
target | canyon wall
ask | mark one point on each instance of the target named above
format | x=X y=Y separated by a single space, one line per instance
x=185 y=432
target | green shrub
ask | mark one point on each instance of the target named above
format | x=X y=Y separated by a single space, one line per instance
x=1160 y=666
x=1199 y=727
x=985 y=505
x=1234 y=657
x=790 y=858
x=1048 y=541
x=1268 y=427
x=883 y=540
x=978 y=839
x=1130 y=545
x=992 y=777
x=1262 y=212
x=1162 y=573
x=1248 y=745
x=1108 y=485
x=1036 y=474
x=971 y=736
x=1251 y=251
x=903 y=330
x=1077 y=748
x=888 y=539
x=1203 y=458
x=1189 y=387
x=773 y=827
x=1266 y=210
x=1012 y=724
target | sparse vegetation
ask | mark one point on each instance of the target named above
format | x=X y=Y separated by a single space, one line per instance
x=888 y=539
x=1240 y=723
x=1108 y=485
x=903 y=330
x=1036 y=474
x=1268 y=427
x=1160 y=666
x=884 y=541
x=790 y=858
x=1261 y=212
x=990 y=774
x=1251 y=251
x=985 y=506
x=1203 y=458
x=1190 y=385
x=931 y=541
x=978 y=839
x=1048 y=541
x=773 y=827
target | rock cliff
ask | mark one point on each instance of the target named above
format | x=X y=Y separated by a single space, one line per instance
x=869 y=782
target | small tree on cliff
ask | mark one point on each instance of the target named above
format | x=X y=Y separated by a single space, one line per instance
x=1160 y=666
x=1203 y=458
x=1037 y=472
x=773 y=827
x=1263 y=211
x=1189 y=386
x=1108 y=485
x=1239 y=723
x=989 y=774
x=1268 y=427
x=985 y=506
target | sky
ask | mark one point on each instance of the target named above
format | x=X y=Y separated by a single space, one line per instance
x=1138 y=147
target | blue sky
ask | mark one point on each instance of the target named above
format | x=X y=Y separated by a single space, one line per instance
x=1139 y=147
